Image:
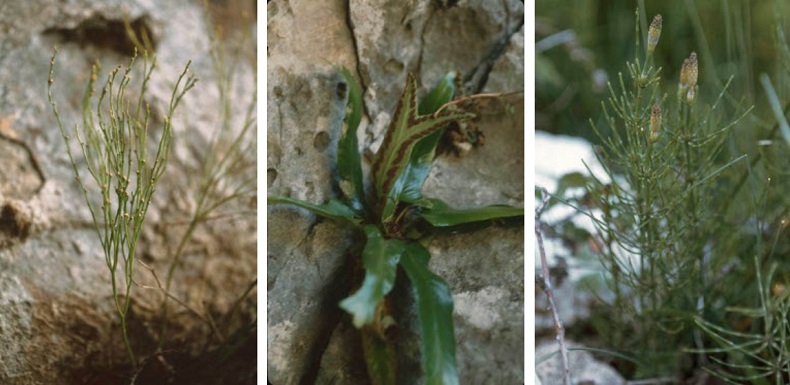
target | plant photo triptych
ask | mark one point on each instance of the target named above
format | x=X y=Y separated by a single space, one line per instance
x=398 y=240
x=128 y=192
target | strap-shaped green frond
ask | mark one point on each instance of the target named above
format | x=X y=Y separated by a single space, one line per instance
x=422 y=155
x=439 y=214
x=406 y=128
x=349 y=168
x=334 y=209
x=380 y=258
x=380 y=357
x=435 y=313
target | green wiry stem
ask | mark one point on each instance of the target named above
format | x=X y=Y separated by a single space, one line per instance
x=113 y=140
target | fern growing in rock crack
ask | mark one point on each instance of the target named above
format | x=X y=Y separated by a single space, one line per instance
x=394 y=217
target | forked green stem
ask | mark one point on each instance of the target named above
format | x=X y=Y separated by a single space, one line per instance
x=113 y=140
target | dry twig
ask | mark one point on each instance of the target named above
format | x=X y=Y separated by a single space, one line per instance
x=545 y=285
x=475 y=96
x=204 y=318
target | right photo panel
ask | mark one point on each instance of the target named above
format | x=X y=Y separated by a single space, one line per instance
x=662 y=151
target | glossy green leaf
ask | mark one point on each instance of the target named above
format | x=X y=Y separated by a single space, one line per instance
x=380 y=258
x=380 y=358
x=440 y=95
x=349 y=168
x=406 y=129
x=334 y=209
x=439 y=214
x=435 y=314
x=422 y=155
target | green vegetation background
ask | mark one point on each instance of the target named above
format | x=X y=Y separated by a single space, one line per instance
x=731 y=38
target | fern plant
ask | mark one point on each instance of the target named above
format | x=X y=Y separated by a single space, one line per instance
x=394 y=217
x=113 y=139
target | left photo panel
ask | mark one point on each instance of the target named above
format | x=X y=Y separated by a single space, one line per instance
x=128 y=192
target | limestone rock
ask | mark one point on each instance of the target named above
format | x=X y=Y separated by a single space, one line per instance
x=307 y=263
x=380 y=42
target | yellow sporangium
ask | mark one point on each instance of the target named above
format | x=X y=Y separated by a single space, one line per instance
x=655 y=121
x=654 y=33
x=688 y=76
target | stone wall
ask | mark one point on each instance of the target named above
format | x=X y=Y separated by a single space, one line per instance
x=310 y=340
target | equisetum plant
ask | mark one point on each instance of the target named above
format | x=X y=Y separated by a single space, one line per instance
x=394 y=216
x=691 y=233
x=113 y=139
x=654 y=210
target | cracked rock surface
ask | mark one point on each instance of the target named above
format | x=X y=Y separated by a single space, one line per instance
x=310 y=340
